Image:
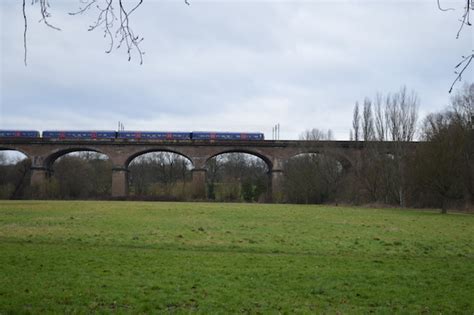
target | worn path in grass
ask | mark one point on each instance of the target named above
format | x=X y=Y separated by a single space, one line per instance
x=140 y=257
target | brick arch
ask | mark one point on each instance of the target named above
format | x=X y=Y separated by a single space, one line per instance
x=134 y=155
x=53 y=156
x=265 y=158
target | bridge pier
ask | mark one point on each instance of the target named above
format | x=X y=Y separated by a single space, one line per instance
x=39 y=174
x=276 y=183
x=119 y=182
x=199 y=183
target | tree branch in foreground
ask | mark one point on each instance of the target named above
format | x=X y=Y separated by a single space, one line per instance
x=116 y=26
x=461 y=67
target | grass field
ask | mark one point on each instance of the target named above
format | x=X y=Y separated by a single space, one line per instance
x=137 y=257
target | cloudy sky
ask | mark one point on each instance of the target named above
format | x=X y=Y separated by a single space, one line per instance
x=228 y=65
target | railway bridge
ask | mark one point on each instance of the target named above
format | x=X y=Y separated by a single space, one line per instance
x=43 y=153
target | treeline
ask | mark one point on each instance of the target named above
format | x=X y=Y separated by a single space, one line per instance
x=437 y=172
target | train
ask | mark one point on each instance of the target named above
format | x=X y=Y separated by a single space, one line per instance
x=131 y=135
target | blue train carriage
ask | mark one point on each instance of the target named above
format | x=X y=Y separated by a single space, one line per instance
x=19 y=134
x=153 y=135
x=79 y=134
x=209 y=135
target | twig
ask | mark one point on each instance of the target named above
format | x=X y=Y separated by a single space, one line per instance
x=44 y=4
x=465 y=17
x=466 y=60
x=106 y=18
x=448 y=9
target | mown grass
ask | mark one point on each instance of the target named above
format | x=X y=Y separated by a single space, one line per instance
x=138 y=257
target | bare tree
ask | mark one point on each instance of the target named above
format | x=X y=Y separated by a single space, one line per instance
x=382 y=175
x=367 y=121
x=316 y=134
x=237 y=177
x=463 y=105
x=161 y=175
x=312 y=178
x=442 y=168
x=356 y=122
x=380 y=126
x=402 y=115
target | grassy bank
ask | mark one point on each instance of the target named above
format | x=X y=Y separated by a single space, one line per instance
x=200 y=257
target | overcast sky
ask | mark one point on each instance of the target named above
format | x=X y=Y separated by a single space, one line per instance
x=228 y=65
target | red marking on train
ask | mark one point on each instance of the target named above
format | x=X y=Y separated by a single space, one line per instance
x=94 y=135
x=169 y=136
x=243 y=136
x=138 y=135
x=17 y=134
x=62 y=135
x=213 y=136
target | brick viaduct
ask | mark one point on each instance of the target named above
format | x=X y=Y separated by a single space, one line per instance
x=43 y=153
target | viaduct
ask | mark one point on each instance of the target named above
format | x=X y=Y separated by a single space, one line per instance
x=43 y=153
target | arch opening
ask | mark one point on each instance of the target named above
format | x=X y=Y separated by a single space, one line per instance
x=140 y=154
x=237 y=176
x=312 y=178
x=51 y=159
x=162 y=175
x=79 y=174
x=15 y=174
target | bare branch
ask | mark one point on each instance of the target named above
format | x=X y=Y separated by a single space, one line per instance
x=24 y=33
x=465 y=17
x=115 y=28
x=448 y=9
x=465 y=61
x=45 y=15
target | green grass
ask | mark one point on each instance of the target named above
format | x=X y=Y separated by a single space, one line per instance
x=138 y=257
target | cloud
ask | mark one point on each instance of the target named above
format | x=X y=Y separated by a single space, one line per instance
x=227 y=65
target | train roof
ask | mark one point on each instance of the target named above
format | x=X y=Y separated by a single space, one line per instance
x=166 y=131
x=23 y=130
x=231 y=132
x=93 y=130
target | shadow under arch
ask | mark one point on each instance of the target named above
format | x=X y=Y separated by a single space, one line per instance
x=156 y=150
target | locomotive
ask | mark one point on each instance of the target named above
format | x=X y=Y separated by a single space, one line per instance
x=131 y=135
